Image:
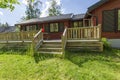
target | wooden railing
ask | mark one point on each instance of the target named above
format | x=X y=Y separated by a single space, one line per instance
x=37 y=40
x=17 y=36
x=84 y=33
x=64 y=40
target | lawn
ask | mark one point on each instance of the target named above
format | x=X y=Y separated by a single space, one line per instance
x=73 y=66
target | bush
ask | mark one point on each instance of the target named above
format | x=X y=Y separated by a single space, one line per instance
x=106 y=44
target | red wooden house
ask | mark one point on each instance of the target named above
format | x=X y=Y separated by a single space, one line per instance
x=81 y=27
x=53 y=25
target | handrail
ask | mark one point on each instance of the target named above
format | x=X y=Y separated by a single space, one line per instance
x=64 y=40
x=17 y=36
x=37 y=40
x=36 y=35
x=84 y=33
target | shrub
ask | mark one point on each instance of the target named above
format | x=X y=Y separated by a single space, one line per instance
x=106 y=44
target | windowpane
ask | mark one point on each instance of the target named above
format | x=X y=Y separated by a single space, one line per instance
x=54 y=27
x=24 y=28
x=39 y=27
x=27 y=28
x=80 y=24
x=51 y=28
x=30 y=28
x=75 y=24
x=46 y=27
x=118 y=19
x=33 y=28
x=61 y=27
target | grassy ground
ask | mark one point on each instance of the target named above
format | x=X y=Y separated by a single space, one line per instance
x=74 y=66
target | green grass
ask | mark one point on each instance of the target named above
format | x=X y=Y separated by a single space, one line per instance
x=74 y=66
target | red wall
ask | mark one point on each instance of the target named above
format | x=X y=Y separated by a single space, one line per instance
x=112 y=4
x=54 y=36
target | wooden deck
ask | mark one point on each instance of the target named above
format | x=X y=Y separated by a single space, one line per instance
x=76 y=38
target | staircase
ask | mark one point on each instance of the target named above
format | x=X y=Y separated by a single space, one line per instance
x=84 y=45
x=51 y=47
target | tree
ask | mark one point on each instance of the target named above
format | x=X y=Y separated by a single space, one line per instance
x=55 y=9
x=4 y=25
x=32 y=10
x=8 y=4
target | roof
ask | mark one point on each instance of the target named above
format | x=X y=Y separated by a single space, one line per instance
x=78 y=16
x=49 y=18
x=96 y=5
x=7 y=29
x=53 y=18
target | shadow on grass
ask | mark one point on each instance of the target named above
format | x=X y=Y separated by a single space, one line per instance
x=40 y=57
x=80 y=57
x=13 y=49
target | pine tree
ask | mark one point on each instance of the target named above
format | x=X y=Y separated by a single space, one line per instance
x=55 y=9
x=32 y=10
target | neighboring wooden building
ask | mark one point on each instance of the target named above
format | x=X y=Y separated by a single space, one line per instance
x=53 y=25
x=107 y=13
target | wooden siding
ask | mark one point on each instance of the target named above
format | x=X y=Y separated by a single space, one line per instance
x=112 y=4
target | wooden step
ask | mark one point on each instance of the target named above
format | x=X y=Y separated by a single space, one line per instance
x=51 y=49
x=84 y=44
x=45 y=52
x=92 y=46
x=84 y=48
x=51 y=42
x=51 y=46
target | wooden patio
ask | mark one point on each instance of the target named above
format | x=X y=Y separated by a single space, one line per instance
x=72 y=38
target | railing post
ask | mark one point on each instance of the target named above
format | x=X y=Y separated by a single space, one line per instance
x=7 y=37
x=33 y=45
x=64 y=40
x=100 y=30
x=37 y=40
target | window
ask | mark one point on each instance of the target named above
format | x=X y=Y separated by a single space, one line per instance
x=31 y=28
x=77 y=24
x=54 y=27
x=61 y=27
x=118 y=19
x=38 y=27
x=80 y=23
x=27 y=27
x=46 y=27
x=24 y=28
